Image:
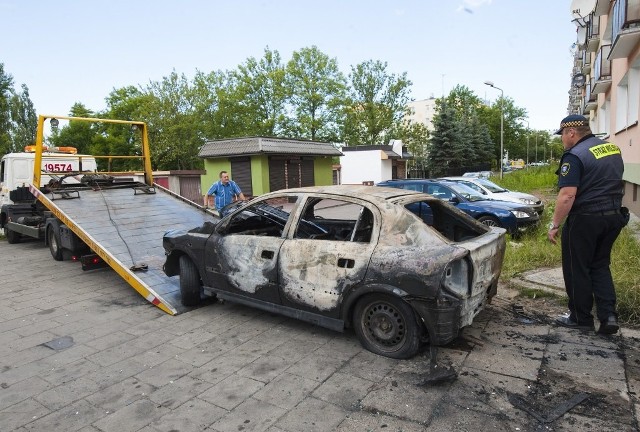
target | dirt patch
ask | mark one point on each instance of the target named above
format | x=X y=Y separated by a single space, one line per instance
x=552 y=391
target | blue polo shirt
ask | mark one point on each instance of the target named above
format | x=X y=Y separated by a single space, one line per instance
x=224 y=193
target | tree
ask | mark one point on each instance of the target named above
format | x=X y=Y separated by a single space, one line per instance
x=491 y=116
x=6 y=91
x=481 y=142
x=316 y=91
x=446 y=146
x=416 y=137
x=262 y=95
x=377 y=103
x=463 y=101
x=79 y=134
x=18 y=120
x=24 y=121
x=179 y=135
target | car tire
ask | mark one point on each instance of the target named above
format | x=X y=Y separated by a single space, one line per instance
x=53 y=238
x=387 y=326
x=489 y=221
x=190 y=286
x=13 y=237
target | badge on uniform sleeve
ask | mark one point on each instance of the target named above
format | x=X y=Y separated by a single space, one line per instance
x=564 y=169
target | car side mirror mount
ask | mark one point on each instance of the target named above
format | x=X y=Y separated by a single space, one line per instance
x=454 y=200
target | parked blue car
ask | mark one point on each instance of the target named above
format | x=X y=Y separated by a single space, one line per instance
x=513 y=217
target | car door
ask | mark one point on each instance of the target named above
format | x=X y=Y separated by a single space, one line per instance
x=243 y=255
x=328 y=252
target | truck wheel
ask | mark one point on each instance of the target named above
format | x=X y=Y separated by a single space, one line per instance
x=12 y=236
x=53 y=238
x=190 y=286
x=387 y=326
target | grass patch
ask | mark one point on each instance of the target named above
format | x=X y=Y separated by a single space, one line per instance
x=533 y=293
x=625 y=268
x=533 y=250
x=529 y=180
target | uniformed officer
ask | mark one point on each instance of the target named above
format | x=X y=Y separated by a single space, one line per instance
x=590 y=198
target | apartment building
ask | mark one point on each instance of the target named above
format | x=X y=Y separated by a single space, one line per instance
x=605 y=83
x=422 y=111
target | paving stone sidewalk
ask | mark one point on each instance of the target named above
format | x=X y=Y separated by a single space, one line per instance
x=82 y=351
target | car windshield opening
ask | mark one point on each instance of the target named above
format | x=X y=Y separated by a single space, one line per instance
x=491 y=186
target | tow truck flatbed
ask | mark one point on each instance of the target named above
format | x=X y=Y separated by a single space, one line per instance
x=124 y=226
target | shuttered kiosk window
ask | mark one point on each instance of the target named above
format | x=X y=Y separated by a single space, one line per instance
x=241 y=174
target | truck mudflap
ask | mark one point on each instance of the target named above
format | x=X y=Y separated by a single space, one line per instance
x=125 y=229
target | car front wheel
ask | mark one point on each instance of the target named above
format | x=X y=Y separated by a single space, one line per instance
x=489 y=221
x=190 y=286
x=387 y=326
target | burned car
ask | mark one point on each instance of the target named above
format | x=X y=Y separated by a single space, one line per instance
x=400 y=267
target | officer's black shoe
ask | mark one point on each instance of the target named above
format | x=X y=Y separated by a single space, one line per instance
x=566 y=321
x=609 y=326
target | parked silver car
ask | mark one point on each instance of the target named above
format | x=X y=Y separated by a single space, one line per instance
x=400 y=267
x=493 y=191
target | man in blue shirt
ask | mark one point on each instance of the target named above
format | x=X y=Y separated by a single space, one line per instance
x=225 y=191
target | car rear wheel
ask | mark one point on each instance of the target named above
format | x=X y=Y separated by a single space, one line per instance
x=12 y=236
x=387 y=326
x=190 y=286
x=489 y=221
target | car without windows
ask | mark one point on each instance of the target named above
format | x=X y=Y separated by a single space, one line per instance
x=493 y=191
x=515 y=218
x=399 y=267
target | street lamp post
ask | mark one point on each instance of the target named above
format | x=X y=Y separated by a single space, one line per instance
x=527 y=143
x=490 y=84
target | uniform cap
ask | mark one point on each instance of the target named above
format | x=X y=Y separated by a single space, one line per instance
x=574 y=120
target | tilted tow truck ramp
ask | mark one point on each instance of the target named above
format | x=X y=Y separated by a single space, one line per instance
x=125 y=226
x=121 y=220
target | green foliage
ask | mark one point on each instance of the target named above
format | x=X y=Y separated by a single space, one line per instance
x=446 y=146
x=535 y=180
x=416 y=137
x=463 y=101
x=6 y=91
x=306 y=97
x=18 y=121
x=261 y=94
x=78 y=134
x=625 y=267
x=492 y=116
x=376 y=105
x=316 y=91
x=23 y=119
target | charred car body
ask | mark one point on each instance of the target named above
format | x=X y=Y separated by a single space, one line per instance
x=400 y=267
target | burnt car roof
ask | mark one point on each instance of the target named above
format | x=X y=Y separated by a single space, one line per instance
x=359 y=191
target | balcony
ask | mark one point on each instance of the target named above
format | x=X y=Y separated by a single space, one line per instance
x=586 y=62
x=593 y=33
x=602 y=70
x=590 y=99
x=625 y=28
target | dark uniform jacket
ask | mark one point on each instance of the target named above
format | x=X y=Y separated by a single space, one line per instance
x=595 y=167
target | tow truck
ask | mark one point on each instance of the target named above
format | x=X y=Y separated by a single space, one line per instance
x=97 y=216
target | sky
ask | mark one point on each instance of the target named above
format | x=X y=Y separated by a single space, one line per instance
x=79 y=51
